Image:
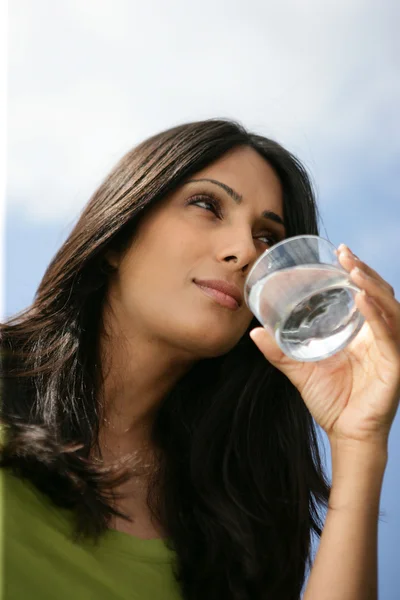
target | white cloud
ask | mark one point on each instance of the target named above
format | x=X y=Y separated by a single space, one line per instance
x=88 y=80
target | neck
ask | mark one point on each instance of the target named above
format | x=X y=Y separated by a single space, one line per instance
x=137 y=373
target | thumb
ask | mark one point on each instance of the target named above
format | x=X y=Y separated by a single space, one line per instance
x=272 y=352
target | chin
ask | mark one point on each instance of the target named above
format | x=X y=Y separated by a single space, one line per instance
x=211 y=345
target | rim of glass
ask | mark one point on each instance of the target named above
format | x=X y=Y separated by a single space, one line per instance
x=285 y=241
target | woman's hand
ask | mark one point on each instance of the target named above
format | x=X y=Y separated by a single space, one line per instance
x=354 y=394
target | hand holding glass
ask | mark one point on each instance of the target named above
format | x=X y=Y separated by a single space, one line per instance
x=302 y=295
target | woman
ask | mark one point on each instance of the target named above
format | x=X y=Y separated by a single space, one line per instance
x=153 y=448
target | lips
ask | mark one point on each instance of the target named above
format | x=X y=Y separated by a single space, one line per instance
x=225 y=292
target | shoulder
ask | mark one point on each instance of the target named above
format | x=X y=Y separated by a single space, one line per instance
x=26 y=512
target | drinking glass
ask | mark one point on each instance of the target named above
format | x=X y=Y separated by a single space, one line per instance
x=302 y=295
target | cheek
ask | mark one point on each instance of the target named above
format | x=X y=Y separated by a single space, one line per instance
x=157 y=291
x=176 y=312
x=186 y=316
x=169 y=249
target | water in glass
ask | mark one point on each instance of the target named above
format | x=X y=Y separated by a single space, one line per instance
x=310 y=308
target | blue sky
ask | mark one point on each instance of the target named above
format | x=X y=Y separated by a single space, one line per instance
x=88 y=80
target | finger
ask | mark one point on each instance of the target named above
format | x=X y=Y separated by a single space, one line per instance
x=381 y=296
x=349 y=261
x=380 y=329
x=294 y=370
x=266 y=344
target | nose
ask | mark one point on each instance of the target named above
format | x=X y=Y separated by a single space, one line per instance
x=241 y=248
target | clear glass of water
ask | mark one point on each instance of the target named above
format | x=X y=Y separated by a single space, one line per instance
x=302 y=295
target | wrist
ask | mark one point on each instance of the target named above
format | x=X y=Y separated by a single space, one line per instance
x=369 y=451
x=357 y=475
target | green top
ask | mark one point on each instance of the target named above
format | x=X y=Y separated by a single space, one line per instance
x=38 y=560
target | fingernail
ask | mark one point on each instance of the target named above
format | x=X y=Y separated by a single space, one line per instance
x=344 y=248
x=349 y=253
x=359 y=272
x=254 y=333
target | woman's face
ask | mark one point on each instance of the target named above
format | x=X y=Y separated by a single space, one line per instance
x=199 y=232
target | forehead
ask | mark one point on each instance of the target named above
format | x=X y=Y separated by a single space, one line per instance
x=250 y=175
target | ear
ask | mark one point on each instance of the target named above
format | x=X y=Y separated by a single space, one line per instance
x=112 y=258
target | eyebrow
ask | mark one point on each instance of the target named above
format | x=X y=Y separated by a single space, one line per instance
x=267 y=214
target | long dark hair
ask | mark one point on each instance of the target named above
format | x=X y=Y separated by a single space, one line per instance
x=240 y=481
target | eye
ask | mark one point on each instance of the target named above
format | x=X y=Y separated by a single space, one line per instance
x=212 y=202
x=215 y=205
x=273 y=239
